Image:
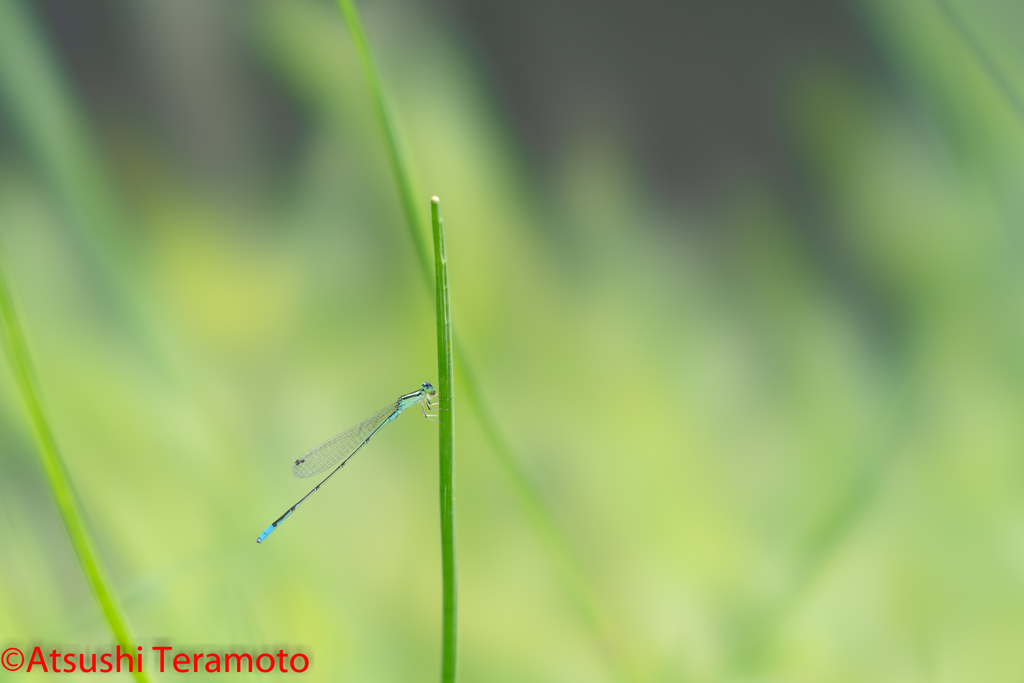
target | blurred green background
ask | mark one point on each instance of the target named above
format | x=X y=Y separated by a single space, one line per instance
x=780 y=431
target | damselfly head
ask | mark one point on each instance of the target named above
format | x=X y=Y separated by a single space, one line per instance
x=429 y=388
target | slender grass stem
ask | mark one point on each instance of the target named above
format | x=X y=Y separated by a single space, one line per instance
x=446 y=447
x=397 y=157
x=569 y=571
x=43 y=110
x=837 y=527
x=57 y=476
x=987 y=62
x=569 y=568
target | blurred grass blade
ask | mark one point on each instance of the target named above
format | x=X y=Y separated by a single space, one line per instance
x=569 y=572
x=837 y=527
x=58 y=139
x=536 y=512
x=446 y=447
x=56 y=473
x=396 y=155
x=988 y=64
x=46 y=113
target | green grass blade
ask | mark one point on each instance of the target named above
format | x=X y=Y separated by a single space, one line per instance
x=446 y=447
x=397 y=157
x=977 y=48
x=834 y=531
x=570 y=569
x=56 y=135
x=57 y=475
x=570 y=573
x=44 y=110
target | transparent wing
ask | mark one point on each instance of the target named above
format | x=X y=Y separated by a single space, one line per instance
x=334 y=450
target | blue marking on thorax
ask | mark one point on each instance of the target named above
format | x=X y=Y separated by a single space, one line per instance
x=402 y=405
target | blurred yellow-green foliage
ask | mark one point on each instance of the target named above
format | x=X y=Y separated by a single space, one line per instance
x=778 y=454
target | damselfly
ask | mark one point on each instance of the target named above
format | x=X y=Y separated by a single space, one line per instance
x=344 y=446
